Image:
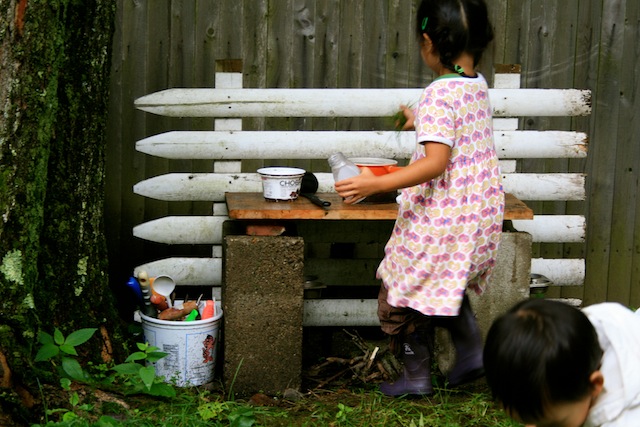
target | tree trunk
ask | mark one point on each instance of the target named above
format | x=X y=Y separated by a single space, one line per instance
x=54 y=79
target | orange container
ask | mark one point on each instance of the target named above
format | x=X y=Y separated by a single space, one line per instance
x=377 y=165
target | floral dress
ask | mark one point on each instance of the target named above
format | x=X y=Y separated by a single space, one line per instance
x=448 y=229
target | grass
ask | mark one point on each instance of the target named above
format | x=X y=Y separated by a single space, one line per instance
x=359 y=406
x=104 y=399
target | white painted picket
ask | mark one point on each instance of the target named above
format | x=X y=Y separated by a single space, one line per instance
x=347 y=102
x=227 y=145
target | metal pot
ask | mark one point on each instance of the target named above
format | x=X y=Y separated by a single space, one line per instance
x=538 y=285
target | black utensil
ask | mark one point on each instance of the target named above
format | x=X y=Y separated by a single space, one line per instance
x=309 y=187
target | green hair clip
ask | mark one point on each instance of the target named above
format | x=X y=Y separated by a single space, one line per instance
x=424 y=22
x=458 y=69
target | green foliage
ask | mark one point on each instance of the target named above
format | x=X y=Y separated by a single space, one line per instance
x=133 y=375
x=130 y=377
x=236 y=415
x=194 y=407
x=60 y=349
x=142 y=379
x=398 y=120
x=343 y=413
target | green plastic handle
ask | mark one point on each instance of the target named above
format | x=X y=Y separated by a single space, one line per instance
x=191 y=316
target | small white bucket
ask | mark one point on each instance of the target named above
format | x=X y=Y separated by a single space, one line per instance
x=281 y=183
x=191 y=348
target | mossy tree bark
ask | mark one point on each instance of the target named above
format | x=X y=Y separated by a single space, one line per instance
x=54 y=79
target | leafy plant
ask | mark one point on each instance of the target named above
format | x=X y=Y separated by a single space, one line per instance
x=58 y=348
x=342 y=416
x=237 y=416
x=143 y=379
x=398 y=119
x=135 y=376
x=242 y=417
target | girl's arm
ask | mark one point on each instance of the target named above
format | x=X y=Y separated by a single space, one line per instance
x=425 y=169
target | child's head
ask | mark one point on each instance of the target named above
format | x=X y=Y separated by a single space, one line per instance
x=542 y=363
x=454 y=27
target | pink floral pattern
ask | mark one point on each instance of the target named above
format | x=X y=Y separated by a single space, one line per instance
x=448 y=229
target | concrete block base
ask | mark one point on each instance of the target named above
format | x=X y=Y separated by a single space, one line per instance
x=262 y=299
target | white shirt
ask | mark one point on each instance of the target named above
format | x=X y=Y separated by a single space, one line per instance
x=618 y=328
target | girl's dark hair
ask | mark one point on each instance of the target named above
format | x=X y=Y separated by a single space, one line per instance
x=454 y=27
x=539 y=353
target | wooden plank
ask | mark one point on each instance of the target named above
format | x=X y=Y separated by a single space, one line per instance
x=186 y=271
x=254 y=206
x=561 y=271
x=208 y=271
x=341 y=312
x=550 y=186
x=255 y=28
x=554 y=228
x=632 y=95
x=211 y=187
x=347 y=102
x=547 y=57
x=624 y=246
x=158 y=50
x=611 y=62
x=133 y=71
x=320 y=145
x=400 y=44
x=351 y=44
x=175 y=230
x=118 y=129
x=303 y=68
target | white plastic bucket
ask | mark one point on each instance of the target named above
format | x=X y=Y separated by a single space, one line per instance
x=191 y=348
x=281 y=183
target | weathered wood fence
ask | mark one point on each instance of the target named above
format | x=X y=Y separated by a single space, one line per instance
x=163 y=44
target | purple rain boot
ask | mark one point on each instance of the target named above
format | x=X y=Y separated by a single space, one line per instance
x=467 y=340
x=416 y=376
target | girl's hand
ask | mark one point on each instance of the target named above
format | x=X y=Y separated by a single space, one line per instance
x=422 y=170
x=406 y=118
x=354 y=189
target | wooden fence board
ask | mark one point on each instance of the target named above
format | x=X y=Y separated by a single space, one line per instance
x=602 y=173
x=361 y=102
x=133 y=82
x=627 y=165
x=349 y=47
x=319 y=145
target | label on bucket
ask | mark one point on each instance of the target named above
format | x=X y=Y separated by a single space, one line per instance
x=190 y=347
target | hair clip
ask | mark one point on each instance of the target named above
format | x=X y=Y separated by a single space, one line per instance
x=458 y=69
x=424 y=22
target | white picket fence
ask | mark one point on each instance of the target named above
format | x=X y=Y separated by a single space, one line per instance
x=228 y=145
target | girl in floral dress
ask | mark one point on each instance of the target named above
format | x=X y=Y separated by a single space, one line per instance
x=447 y=233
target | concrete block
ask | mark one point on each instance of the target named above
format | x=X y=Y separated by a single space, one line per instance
x=262 y=298
x=509 y=282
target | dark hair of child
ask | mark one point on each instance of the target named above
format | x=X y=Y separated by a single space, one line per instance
x=539 y=353
x=455 y=26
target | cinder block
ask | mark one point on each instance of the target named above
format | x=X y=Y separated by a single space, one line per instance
x=262 y=298
x=509 y=282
